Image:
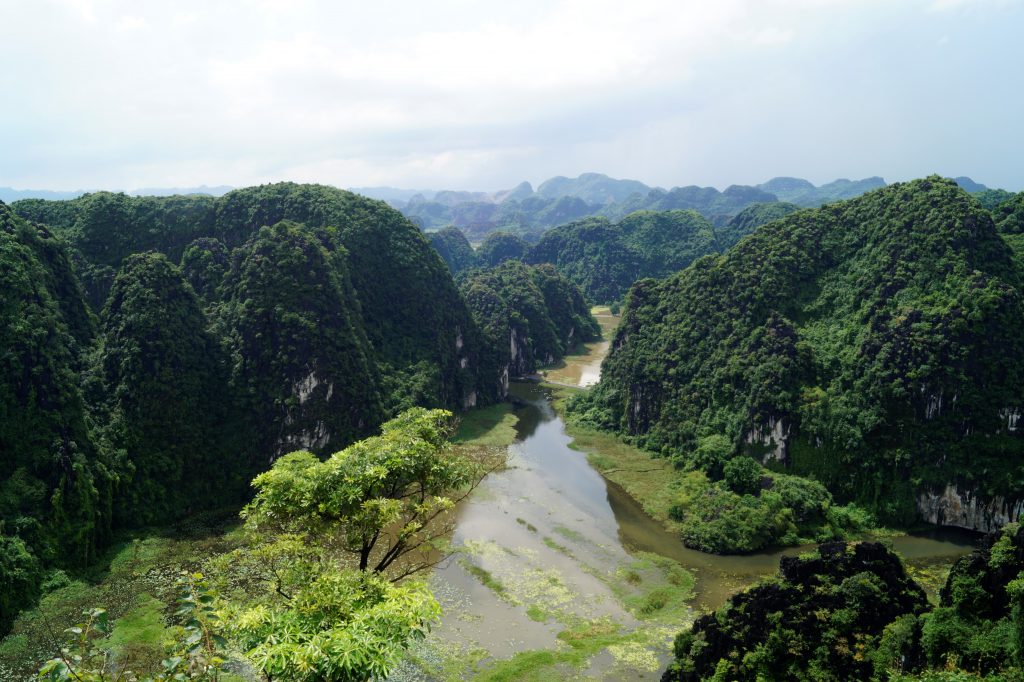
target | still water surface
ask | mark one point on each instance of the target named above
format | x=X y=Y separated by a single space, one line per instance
x=553 y=533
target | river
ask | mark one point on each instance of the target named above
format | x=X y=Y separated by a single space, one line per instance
x=561 y=575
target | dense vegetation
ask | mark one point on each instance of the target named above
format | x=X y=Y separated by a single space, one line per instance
x=529 y=316
x=749 y=219
x=55 y=483
x=300 y=317
x=499 y=247
x=850 y=612
x=871 y=344
x=168 y=409
x=455 y=250
x=604 y=259
x=286 y=602
x=411 y=310
x=803 y=193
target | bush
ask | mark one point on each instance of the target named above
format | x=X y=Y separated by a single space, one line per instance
x=743 y=475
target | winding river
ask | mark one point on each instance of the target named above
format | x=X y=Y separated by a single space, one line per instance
x=548 y=546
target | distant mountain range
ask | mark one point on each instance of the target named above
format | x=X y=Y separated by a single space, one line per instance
x=528 y=212
x=9 y=194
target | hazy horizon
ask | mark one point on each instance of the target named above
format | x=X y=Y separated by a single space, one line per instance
x=466 y=96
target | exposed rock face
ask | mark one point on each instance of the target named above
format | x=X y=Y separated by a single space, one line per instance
x=519 y=349
x=773 y=435
x=966 y=509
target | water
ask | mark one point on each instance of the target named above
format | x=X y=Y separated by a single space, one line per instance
x=545 y=544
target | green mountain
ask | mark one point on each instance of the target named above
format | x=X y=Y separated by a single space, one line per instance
x=803 y=193
x=411 y=309
x=593 y=188
x=718 y=207
x=749 y=219
x=302 y=359
x=168 y=409
x=870 y=344
x=1009 y=215
x=530 y=316
x=455 y=250
x=55 y=486
x=499 y=247
x=604 y=259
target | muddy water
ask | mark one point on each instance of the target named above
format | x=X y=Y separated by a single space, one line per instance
x=584 y=369
x=544 y=546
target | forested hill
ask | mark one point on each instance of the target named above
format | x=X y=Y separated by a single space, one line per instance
x=604 y=259
x=873 y=344
x=156 y=353
x=410 y=307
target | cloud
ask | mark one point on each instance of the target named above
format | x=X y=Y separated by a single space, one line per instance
x=452 y=92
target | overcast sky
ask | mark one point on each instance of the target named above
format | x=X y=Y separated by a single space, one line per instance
x=481 y=95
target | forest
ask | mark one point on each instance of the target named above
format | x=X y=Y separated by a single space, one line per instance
x=160 y=352
x=799 y=368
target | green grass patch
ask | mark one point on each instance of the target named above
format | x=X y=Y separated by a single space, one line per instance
x=494 y=425
x=569 y=533
x=140 y=636
x=486 y=579
x=529 y=526
x=132 y=582
x=557 y=547
x=536 y=613
x=655 y=587
x=580 y=643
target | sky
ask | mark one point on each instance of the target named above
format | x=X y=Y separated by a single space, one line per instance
x=462 y=94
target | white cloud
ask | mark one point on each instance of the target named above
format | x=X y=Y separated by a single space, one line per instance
x=137 y=92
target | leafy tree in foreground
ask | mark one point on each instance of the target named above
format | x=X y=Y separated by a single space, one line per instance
x=331 y=542
x=376 y=498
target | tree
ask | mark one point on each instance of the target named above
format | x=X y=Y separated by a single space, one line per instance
x=383 y=502
x=376 y=498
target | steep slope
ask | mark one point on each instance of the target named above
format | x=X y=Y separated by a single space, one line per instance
x=411 y=310
x=872 y=344
x=749 y=219
x=170 y=409
x=604 y=259
x=499 y=247
x=453 y=247
x=530 y=316
x=302 y=359
x=55 y=490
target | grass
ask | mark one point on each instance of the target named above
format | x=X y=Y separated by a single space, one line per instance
x=133 y=582
x=529 y=526
x=579 y=643
x=568 y=533
x=651 y=481
x=654 y=587
x=486 y=579
x=140 y=635
x=488 y=426
x=557 y=547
